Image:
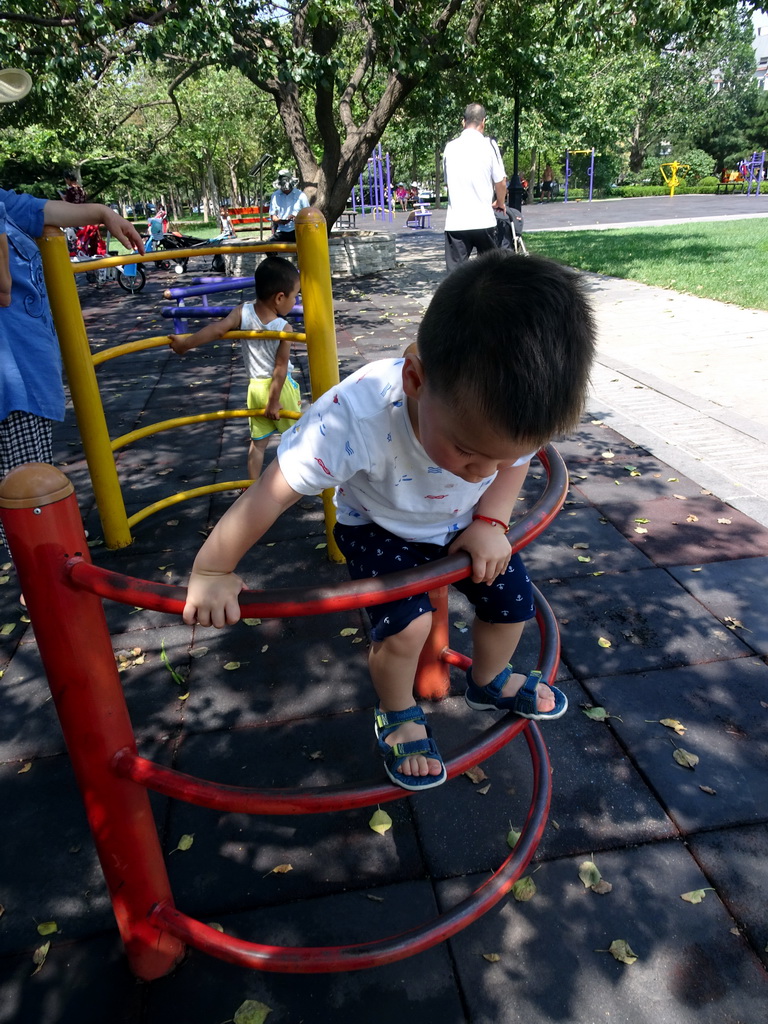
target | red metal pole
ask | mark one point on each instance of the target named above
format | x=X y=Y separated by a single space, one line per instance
x=43 y=526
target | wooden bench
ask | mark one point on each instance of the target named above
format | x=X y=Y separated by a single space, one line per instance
x=347 y=219
x=245 y=218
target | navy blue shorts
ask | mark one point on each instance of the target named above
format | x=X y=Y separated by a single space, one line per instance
x=372 y=551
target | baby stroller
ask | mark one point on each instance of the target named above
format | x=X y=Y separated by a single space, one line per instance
x=509 y=230
x=175 y=240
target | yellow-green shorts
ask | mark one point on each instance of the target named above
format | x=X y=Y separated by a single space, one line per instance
x=290 y=400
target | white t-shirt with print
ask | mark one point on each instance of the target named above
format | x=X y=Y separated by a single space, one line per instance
x=358 y=438
x=259 y=353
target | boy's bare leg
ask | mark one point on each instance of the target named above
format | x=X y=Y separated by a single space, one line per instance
x=256 y=457
x=493 y=644
x=392 y=663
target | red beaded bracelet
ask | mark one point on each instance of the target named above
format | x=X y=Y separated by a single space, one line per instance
x=492 y=522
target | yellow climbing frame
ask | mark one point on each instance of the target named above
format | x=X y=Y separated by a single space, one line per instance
x=80 y=364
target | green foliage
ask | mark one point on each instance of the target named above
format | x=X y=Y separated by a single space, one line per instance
x=114 y=82
x=699 y=163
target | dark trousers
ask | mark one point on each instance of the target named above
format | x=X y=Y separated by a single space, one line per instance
x=460 y=244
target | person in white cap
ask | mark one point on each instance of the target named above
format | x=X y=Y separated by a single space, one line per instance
x=31 y=388
x=285 y=203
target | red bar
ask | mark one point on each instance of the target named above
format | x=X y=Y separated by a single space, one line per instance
x=43 y=526
x=358 y=957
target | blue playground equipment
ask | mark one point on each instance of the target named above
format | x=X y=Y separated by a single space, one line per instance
x=569 y=170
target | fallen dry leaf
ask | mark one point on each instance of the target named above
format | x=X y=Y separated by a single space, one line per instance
x=38 y=957
x=476 y=774
x=380 y=822
x=279 y=869
x=695 y=895
x=672 y=723
x=251 y=1012
x=185 y=842
x=685 y=758
x=524 y=889
x=589 y=873
x=620 y=950
x=602 y=888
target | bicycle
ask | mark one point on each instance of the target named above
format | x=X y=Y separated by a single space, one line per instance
x=131 y=277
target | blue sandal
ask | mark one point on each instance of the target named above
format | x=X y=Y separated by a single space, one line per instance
x=386 y=722
x=483 y=698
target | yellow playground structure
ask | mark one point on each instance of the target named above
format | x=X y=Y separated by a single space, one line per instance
x=311 y=248
x=673 y=179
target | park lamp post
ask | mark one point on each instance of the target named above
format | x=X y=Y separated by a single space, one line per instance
x=516 y=189
x=254 y=172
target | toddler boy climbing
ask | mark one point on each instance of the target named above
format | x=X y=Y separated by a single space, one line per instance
x=267 y=361
x=427 y=454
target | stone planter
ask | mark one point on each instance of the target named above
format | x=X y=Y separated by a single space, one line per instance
x=351 y=253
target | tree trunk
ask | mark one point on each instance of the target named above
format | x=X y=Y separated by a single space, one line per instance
x=637 y=151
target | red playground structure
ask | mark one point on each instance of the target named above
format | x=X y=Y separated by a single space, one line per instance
x=64 y=592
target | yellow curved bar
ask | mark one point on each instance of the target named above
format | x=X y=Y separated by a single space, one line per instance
x=80 y=363
x=81 y=376
x=98 y=263
x=195 y=492
x=159 y=340
x=183 y=421
x=319 y=325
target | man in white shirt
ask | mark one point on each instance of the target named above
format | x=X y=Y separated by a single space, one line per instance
x=477 y=185
x=285 y=203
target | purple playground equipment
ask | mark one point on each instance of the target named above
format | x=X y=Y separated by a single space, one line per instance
x=569 y=170
x=755 y=172
x=380 y=196
x=202 y=287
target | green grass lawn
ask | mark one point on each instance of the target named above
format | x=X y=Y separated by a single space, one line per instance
x=718 y=260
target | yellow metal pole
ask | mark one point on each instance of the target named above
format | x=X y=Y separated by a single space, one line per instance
x=319 y=326
x=86 y=399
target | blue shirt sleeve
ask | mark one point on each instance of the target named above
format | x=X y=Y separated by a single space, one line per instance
x=26 y=211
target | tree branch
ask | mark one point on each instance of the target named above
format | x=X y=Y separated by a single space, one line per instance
x=366 y=61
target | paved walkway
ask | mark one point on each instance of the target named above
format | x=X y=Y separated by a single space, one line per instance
x=659 y=589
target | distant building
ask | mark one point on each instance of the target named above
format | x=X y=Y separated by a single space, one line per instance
x=760 y=45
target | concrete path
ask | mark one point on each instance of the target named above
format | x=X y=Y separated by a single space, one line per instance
x=659 y=588
x=683 y=376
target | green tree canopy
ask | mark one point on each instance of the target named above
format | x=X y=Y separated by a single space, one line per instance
x=337 y=70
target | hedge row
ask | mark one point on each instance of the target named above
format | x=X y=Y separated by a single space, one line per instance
x=633 y=191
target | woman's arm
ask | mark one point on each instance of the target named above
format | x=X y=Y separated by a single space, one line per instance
x=71 y=215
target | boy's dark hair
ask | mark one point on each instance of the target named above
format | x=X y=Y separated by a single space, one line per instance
x=511 y=337
x=274 y=274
